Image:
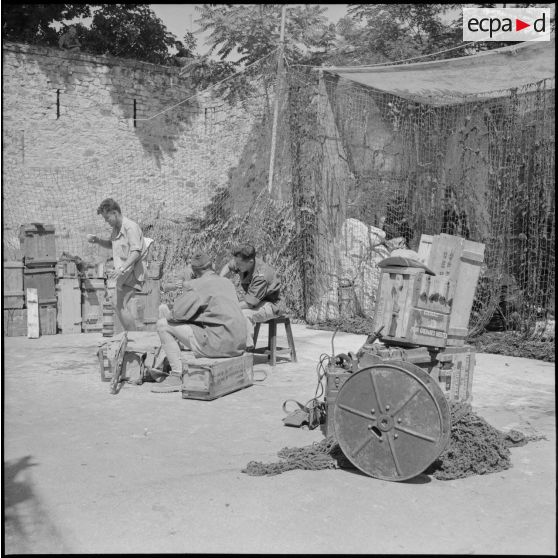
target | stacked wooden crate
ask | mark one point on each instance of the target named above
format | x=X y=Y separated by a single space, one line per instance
x=68 y=297
x=415 y=308
x=459 y=260
x=38 y=246
x=451 y=367
x=15 y=313
x=93 y=293
x=144 y=304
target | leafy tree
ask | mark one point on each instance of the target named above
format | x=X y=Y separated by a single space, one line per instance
x=32 y=23
x=129 y=30
x=190 y=42
x=386 y=32
x=254 y=30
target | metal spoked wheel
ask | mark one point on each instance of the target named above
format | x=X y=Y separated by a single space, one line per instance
x=391 y=420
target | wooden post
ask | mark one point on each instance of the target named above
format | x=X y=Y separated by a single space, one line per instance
x=276 y=104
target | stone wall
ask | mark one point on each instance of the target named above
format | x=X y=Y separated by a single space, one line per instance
x=70 y=141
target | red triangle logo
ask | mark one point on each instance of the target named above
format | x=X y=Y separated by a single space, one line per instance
x=519 y=25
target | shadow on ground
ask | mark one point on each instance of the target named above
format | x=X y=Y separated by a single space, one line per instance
x=24 y=518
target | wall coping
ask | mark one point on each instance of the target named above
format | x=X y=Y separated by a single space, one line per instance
x=103 y=60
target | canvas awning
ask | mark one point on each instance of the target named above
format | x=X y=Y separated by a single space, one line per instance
x=490 y=74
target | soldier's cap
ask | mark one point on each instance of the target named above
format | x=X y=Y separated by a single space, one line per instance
x=199 y=259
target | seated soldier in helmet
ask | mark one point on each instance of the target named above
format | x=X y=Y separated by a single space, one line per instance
x=260 y=283
x=206 y=319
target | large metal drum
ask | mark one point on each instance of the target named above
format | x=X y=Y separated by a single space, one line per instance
x=391 y=420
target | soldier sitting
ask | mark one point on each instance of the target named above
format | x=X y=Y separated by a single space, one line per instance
x=206 y=319
x=260 y=283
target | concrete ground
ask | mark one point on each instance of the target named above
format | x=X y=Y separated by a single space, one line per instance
x=139 y=472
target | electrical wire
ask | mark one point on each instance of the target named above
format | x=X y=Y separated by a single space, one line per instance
x=391 y=63
x=207 y=89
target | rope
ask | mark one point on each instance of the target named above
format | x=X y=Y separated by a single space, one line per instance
x=205 y=90
x=475 y=448
x=384 y=63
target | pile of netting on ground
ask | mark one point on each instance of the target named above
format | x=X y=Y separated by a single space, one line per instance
x=475 y=448
x=358 y=325
x=511 y=344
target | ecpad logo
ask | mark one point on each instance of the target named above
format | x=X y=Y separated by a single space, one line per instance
x=506 y=24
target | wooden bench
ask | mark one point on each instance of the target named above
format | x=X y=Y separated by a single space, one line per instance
x=272 y=350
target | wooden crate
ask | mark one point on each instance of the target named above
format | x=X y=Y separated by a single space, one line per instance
x=423 y=357
x=434 y=293
x=460 y=260
x=335 y=378
x=95 y=270
x=92 y=298
x=12 y=278
x=66 y=269
x=401 y=307
x=210 y=378
x=15 y=322
x=444 y=254
x=454 y=372
x=108 y=319
x=451 y=367
x=144 y=307
x=47 y=318
x=470 y=267
x=68 y=298
x=42 y=279
x=38 y=244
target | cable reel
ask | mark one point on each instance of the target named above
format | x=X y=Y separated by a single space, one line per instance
x=391 y=420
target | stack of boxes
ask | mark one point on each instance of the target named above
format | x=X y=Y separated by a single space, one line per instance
x=93 y=293
x=38 y=246
x=144 y=305
x=417 y=309
x=423 y=319
x=68 y=297
x=71 y=300
x=15 y=313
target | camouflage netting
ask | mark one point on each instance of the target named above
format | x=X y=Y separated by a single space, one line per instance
x=475 y=448
x=211 y=197
x=376 y=167
x=357 y=171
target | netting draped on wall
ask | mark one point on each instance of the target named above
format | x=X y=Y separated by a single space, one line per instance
x=211 y=193
x=387 y=168
x=357 y=173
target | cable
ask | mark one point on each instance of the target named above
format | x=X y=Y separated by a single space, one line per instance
x=204 y=90
x=391 y=63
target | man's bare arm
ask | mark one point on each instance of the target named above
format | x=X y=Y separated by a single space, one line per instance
x=100 y=241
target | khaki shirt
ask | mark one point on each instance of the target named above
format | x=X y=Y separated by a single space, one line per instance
x=260 y=285
x=128 y=239
x=210 y=305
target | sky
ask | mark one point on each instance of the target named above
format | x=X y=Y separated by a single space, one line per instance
x=179 y=18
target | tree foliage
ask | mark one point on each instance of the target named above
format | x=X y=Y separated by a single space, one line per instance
x=127 y=30
x=131 y=31
x=32 y=23
x=387 y=32
x=254 y=30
